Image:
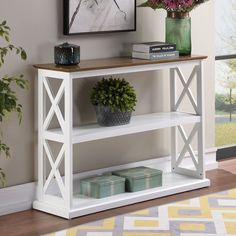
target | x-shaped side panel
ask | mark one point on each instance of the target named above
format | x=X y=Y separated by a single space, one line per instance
x=54 y=169
x=187 y=145
x=54 y=107
x=186 y=90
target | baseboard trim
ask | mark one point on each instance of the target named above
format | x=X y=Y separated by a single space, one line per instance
x=21 y=197
x=17 y=198
x=225 y=153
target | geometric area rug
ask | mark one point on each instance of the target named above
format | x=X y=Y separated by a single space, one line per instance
x=209 y=215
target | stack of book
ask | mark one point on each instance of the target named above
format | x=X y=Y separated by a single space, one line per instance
x=154 y=51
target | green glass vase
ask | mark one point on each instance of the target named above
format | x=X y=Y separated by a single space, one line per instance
x=178 y=31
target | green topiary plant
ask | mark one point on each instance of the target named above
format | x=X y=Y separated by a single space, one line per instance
x=8 y=99
x=117 y=94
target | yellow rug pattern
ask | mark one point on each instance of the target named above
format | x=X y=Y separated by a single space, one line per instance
x=210 y=215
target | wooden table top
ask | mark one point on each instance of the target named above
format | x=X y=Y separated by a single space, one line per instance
x=108 y=63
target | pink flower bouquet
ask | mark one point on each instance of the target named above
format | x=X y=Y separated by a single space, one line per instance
x=173 y=5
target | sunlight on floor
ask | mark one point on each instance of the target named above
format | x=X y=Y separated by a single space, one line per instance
x=228 y=165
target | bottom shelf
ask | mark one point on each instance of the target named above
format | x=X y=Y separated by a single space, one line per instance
x=172 y=184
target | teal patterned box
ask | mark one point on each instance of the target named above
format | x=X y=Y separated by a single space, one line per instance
x=102 y=186
x=140 y=178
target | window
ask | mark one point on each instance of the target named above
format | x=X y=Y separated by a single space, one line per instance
x=225 y=89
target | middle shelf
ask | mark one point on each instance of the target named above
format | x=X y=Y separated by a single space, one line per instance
x=138 y=124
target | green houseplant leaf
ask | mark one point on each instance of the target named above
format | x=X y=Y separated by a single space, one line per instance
x=8 y=98
x=117 y=94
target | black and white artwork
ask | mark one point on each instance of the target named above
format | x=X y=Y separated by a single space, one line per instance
x=95 y=16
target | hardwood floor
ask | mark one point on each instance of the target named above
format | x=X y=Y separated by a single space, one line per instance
x=32 y=223
x=228 y=165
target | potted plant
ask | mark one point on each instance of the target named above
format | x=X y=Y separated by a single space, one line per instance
x=114 y=100
x=8 y=98
x=178 y=21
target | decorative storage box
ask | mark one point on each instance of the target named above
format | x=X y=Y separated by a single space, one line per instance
x=102 y=186
x=67 y=54
x=140 y=178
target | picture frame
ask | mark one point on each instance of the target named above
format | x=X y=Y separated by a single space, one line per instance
x=98 y=16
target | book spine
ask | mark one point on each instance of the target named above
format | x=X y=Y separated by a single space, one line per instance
x=164 y=55
x=162 y=48
x=156 y=56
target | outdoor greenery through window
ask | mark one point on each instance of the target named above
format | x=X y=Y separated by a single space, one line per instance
x=225 y=97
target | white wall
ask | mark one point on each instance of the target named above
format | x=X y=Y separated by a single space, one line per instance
x=37 y=26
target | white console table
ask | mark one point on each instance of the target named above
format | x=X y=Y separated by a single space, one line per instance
x=66 y=201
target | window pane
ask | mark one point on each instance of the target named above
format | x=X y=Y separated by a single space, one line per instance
x=225 y=101
x=225 y=27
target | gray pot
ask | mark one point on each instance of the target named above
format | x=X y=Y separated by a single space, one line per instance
x=105 y=117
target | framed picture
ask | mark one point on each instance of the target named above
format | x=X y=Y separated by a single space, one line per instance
x=99 y=16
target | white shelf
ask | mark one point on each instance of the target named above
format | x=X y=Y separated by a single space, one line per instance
x=140 y=123
x=58 y=194
x=172 y=184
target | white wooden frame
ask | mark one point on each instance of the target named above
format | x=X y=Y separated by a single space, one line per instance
x=64 y=205
x=198 y=127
